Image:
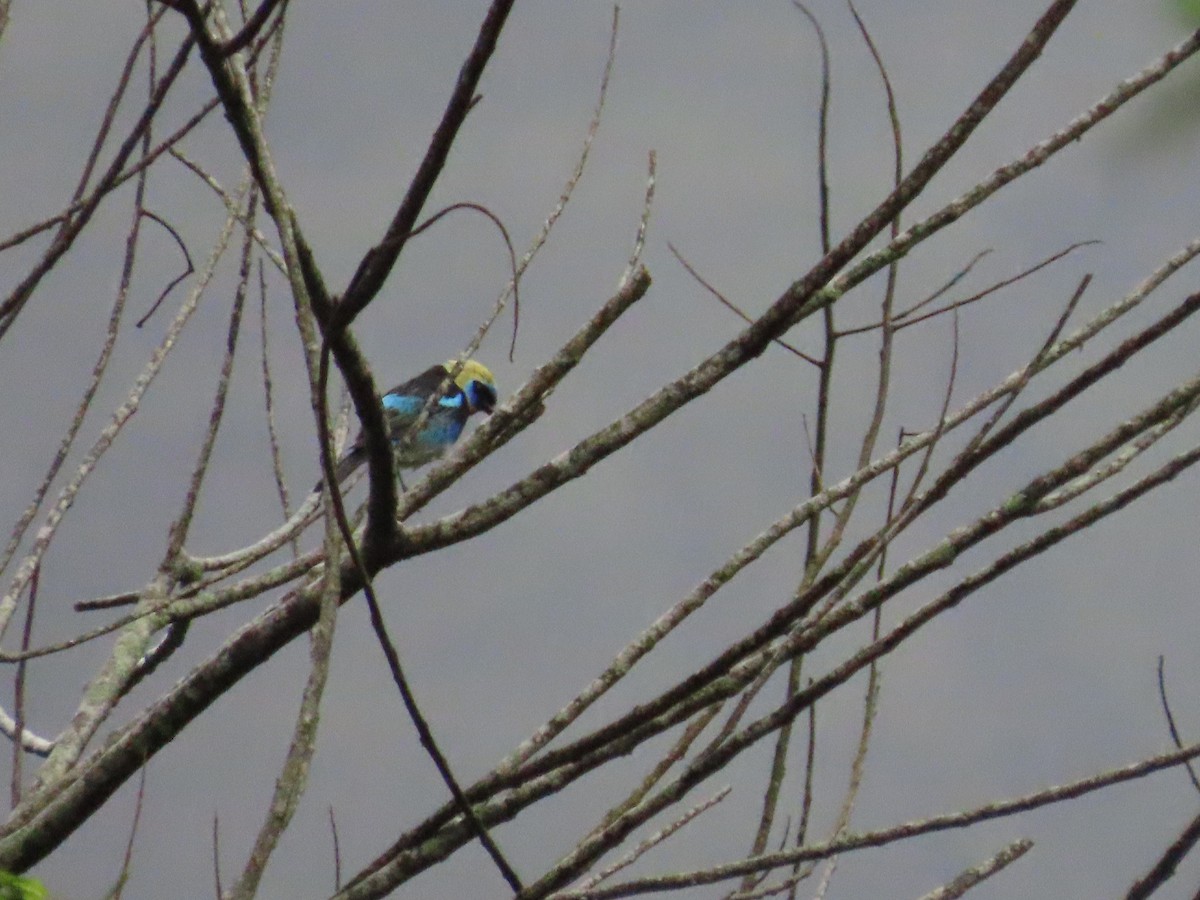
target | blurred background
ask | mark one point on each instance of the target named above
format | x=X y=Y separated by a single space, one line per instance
x=1045 y=677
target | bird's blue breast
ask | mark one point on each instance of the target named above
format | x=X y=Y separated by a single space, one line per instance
x=441 y=428
x=408 y=405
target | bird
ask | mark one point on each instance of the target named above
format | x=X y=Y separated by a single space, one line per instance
x=472 y=390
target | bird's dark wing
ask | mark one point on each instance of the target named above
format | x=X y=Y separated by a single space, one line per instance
x=351 y=460
x=425 y=384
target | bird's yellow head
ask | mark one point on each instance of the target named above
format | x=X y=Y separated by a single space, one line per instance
x=477 y=382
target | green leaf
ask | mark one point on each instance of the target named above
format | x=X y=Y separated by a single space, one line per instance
x=17 y=887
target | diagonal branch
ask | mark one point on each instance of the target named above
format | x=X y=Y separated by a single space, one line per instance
x=375 y=266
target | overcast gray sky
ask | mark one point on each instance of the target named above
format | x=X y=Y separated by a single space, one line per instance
x=1045 y=677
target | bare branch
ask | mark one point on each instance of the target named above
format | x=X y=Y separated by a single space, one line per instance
x=1165 y=867
x=980 y=873
x=378 y=261
x=886 y=836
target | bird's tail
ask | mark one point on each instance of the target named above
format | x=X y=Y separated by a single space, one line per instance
x=351 y=460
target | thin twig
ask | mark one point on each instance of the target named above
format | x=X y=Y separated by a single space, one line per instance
x=975 y=875
x=907 y=317
x=216 y=856
x=654 y=840
x=189 y=267
x=733 y=307
x=127 y=861
x=98 y=370
x=377 y=263
x=18 y=751
x=269 y=404
x=337 y=851
x=639 y=243
x=181 y=527
x=232 y=206
x=71 y=227
x=1166 y=708
x=674 y=754
x=885 y=836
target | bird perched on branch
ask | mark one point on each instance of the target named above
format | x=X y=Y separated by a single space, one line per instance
x=472 y=390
